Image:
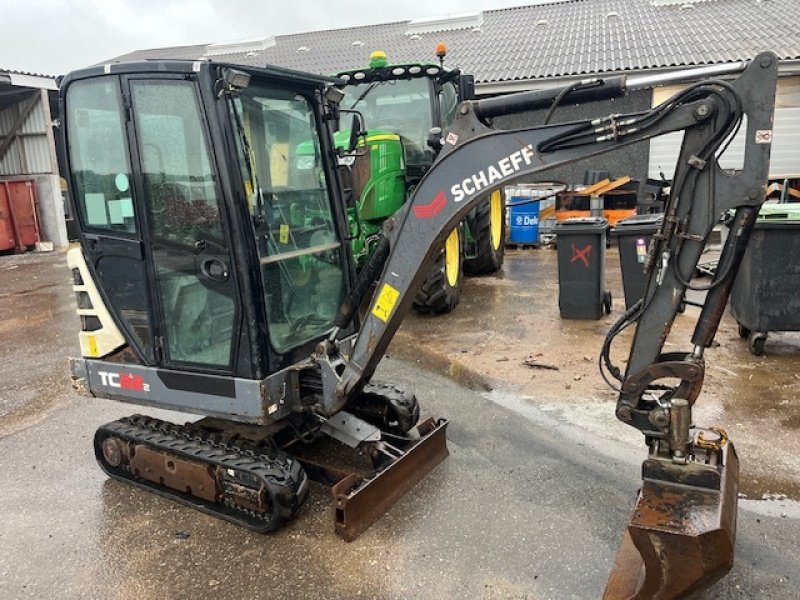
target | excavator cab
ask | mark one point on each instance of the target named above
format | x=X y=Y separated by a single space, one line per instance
x=193 y=205
x=213 y=260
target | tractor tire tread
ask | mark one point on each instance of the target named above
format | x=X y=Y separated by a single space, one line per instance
x=487 y=260
x=436 y=296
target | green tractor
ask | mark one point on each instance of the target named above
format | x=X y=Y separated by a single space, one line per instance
x=407 y=110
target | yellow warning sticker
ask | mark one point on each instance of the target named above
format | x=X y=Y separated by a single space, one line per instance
x=283 y=236
x=385 y=303
x=91 y=342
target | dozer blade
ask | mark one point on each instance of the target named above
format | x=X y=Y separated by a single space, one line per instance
x=680 y=537
x=359 y=502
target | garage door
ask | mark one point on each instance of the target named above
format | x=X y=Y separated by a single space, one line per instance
x=785 y=158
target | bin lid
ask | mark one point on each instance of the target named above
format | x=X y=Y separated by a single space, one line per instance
x=780 y=212
x=581 y=225
x=515 y=201
x=639 y=224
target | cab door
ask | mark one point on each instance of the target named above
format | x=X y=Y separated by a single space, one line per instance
x=192 y=282
x=110 y=218
x=145 y=187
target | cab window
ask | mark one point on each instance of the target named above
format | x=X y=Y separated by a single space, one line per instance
x=293 y=221
x=99 y=156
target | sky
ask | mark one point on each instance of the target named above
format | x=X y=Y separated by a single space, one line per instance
x=55 y=36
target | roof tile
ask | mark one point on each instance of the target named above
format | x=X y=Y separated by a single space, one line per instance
x=578 y=37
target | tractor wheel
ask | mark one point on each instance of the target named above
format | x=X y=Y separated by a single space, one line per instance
x=488 y=228
x=442 y=289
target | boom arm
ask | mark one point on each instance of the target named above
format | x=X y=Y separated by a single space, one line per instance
x=681 y=533
x=477 y=158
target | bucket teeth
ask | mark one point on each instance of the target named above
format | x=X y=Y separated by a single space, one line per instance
x=680 y=538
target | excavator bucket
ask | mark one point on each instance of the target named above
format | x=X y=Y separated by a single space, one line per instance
x=680 y=537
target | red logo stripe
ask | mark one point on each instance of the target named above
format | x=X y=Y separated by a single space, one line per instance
x=128 y=381
x=426 y=211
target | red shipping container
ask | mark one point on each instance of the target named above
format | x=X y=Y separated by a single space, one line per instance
x=19 y=225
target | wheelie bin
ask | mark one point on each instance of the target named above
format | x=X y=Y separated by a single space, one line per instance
x=633 y=239
x=766 y=293
x=581 y=244
x=524 y=217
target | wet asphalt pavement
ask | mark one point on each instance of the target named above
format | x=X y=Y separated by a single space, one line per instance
x=531 y=503
x=507 y=318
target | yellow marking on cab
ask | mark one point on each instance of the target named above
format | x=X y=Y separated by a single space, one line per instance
x=283 y=236
x=91 y=342
x=385 y=302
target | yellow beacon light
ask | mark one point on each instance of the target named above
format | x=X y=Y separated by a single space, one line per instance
x=377 y=59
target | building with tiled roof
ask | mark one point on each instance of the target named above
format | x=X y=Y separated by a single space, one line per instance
x=526 y=47
x=544 y=41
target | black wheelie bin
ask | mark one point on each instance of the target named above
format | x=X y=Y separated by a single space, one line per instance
x=633 y=239
x=581 y=244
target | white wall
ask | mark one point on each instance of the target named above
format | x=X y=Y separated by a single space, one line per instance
x=785 y=155
x=51 y=210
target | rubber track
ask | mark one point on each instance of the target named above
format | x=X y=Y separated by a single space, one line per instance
x=283 y=476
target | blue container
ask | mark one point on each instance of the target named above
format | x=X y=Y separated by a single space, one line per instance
x=524 y=220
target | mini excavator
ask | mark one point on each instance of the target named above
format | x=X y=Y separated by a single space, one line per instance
x=214 y=277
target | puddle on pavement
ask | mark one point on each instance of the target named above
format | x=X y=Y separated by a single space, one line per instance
x=38 y=331
x=763 y=487
x=779 y=507
x=763 y=493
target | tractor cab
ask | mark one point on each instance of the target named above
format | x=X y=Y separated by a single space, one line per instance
x=415 y=101
x=405 y=111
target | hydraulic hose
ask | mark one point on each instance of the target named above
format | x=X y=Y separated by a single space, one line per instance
x=364 y=280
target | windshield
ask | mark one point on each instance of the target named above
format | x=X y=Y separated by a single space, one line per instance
x=299 y=250
x=399 y=106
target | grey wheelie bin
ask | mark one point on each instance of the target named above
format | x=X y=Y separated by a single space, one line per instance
x=766 y=293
